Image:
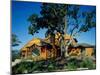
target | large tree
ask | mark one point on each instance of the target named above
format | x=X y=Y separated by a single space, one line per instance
x=64 y=19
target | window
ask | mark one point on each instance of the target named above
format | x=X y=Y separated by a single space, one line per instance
x=35 y=51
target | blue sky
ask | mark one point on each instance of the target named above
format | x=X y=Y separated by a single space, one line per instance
x=20 y=13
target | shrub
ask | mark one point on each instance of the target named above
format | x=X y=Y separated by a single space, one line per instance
x=87 y=63
x=50 y=67
x=72 y=64
x=24 y=67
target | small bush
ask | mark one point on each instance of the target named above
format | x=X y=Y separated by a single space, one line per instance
x=50 y=67
x=72 y=64
x=87 y=63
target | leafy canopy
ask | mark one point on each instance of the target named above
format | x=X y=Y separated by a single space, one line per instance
x=60 y=17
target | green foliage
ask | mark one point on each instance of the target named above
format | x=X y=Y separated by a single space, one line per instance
x=32 y=67
x=51 y=65
x=49 y=19
x=90 y=21
x=72 y=64
x=15 y=40
x=88 y=63
x=23 y=67
x=69 y=15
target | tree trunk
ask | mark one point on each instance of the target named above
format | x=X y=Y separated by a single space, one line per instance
x=63 y=43
x=62 y=47
x=52 y=41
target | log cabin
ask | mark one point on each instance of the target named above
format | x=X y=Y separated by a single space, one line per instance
x=37 y=48
x=42 y=49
